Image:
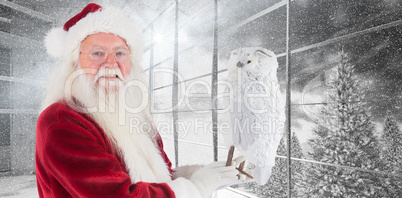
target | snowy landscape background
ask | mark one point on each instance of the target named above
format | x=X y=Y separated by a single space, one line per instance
x=369 y=32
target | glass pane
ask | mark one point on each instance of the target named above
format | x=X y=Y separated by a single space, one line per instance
x=5 y=101
x=5 y=127
x=23 y=141
x=26 y=97
x=267 y=31
x=162 y=101
x=5 y=65
x=197 y=95
x=317 y=21
x=345 y=97
x=163 y=74
x=233 y=12
x=195 y=129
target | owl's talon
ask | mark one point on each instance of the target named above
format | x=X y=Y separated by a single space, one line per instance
x=244 y=173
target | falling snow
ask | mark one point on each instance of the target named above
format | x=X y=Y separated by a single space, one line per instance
x=368 y=31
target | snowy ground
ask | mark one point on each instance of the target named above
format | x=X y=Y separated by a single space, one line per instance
x=25 y=187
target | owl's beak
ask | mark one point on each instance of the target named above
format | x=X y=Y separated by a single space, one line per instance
x=240 y=64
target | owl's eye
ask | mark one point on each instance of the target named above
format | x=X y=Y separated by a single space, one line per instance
x=249 y=61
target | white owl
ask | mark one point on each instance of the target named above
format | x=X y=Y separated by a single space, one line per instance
x=257 y=110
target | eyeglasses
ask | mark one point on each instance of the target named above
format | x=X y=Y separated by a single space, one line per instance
x=100 y=55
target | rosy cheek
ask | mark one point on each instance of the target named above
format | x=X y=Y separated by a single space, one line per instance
x=89 y=69
x=126 y=70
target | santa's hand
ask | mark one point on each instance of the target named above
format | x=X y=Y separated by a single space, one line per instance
x=204 y=181
x=210 y=177
x=243 y=176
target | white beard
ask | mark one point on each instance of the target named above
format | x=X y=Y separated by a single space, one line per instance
x=130 y=130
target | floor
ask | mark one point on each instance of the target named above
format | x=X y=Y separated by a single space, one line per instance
x=25 y=187
x=18 y=186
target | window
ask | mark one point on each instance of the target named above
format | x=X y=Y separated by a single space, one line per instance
x=345 y=88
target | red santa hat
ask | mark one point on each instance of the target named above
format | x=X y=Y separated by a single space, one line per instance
x=63 y=41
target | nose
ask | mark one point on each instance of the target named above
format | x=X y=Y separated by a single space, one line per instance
x=240 y=64
x=110 y=61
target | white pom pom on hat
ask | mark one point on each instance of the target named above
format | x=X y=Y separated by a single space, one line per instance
x=93 y=19
x=54 y=42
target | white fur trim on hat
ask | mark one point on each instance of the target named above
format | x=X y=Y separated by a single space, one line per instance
x=108 y=20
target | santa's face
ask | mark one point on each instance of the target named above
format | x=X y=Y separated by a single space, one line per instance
x=105 y=58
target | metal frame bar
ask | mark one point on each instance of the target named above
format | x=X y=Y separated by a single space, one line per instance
x=187 y=111
x=197 y=143
x=342 y=166
x=190 y=79
x=19 y=111
x=27 y=11
x=23 y=80
x=214 y=85
x=5 y=20
x=363 y=100
x=240 y=192
x=232 y=29
x=151 y=71
x=175 y=87
x=288 y=124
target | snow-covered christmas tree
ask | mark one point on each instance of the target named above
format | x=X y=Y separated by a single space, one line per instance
x=391 y=155
x=344 y=136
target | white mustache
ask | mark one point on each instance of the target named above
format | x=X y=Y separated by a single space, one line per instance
x=109 y=72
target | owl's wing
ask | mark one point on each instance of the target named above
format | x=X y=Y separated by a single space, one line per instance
x=258 y=128
x=241 y=121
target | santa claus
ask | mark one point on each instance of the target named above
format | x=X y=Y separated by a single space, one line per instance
x=86 y=144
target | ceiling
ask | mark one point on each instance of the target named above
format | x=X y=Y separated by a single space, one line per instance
x=143 y=11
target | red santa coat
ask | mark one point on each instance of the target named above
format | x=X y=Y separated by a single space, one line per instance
x=74 y=158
